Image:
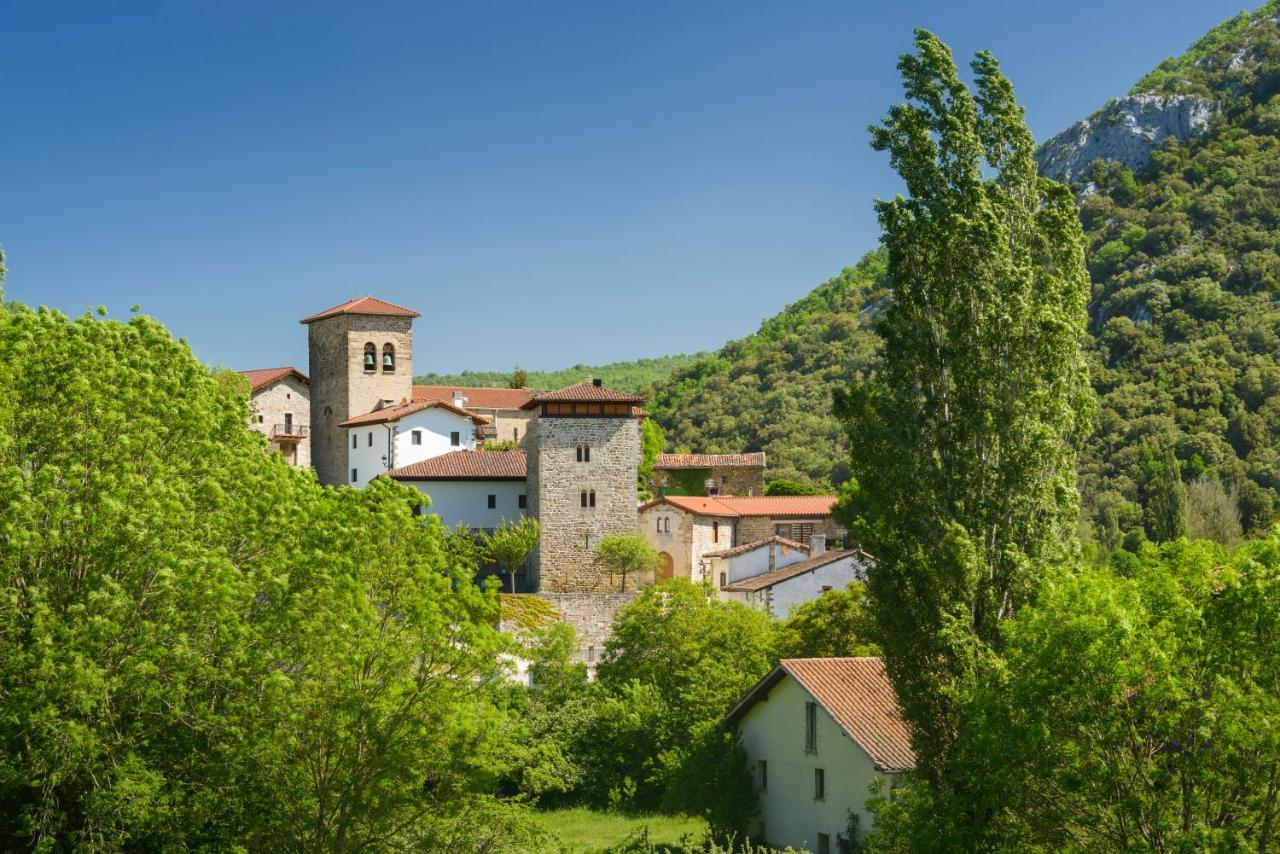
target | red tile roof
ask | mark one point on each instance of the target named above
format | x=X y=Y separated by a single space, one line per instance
x=477 y=398
x=759 y=544
x=791 y=570
x=857 y=694
x=364 y=305
x=583 y=393
x=709 y=461
x=773 y=506
x=466 y=465
x=400 y=410
x=263 y=377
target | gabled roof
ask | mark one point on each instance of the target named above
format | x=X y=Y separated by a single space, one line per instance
x=364 y=305
x=772 y=506
x=466 y=465
x=709 y=461
x=583 y=393
x=479 y=398
x=791 y=570
x=400 y=410
x=759 y=544
x=855 y=693
x=260 y=378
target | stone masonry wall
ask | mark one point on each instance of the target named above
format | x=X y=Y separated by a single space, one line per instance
x=269 y=406
x=730 y=480
x=591 y=616
x=340 y=386
x=754 y=528
x=678 y=542
x=565 y=560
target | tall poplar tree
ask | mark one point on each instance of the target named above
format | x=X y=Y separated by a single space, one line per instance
x=964 y=442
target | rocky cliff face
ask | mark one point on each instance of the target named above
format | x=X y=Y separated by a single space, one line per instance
x=1125 y=130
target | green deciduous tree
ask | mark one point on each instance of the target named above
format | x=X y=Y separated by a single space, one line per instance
x=652 y=441
x=1167 y=500
x=834 y=625
x=964 y=442
x=627 y=554
x=519 y=378
x=511 y=543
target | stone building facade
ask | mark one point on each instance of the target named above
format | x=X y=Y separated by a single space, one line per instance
x=708 y=474
x=584 y=450
x=280 y=409
x=345 y=381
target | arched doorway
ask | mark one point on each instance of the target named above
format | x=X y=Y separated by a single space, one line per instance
x=665 y=571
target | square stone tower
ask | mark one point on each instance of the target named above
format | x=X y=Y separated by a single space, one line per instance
x=361 y=356
x=583 y=455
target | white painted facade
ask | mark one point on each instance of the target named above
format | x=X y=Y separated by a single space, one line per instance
x=466 y=502
x=375 y=448
x=773 y=731
x=780 y=598
x=753 y=563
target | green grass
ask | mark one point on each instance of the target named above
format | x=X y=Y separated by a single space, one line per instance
x=585 y=830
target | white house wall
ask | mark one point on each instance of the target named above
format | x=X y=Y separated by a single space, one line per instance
x=773 y=730
x=810 y=585
x=466 y=502
x=367 y=458
x=437 y=425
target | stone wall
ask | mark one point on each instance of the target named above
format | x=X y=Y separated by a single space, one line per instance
x=591 y=615
x=677 y=542
x=340 y=386
x=269 y=406
x=730 y=480
x=565 y=560
x=754 y=528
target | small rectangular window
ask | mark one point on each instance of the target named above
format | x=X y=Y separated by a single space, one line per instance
x=523 y=501
x=354 y=440
x=455 y=438
x=764 y=776
x=810 y=727
x=592 y=495
x=723 y=580
x=371 y=440
x=353 y=476
x=715 y=532
x=417 y=437
x=583 y=498
x=493 y=501
x=820 y=787
x=824 y=842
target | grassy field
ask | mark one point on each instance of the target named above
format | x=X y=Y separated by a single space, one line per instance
x=584 y=830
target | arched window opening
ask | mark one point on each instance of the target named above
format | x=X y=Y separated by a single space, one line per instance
x=370 y=357
x=388 y=359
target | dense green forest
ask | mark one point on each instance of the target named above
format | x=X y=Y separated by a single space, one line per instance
x=624 y=376
x=1185 y=261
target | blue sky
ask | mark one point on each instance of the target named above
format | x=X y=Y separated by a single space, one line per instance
x=548 y=183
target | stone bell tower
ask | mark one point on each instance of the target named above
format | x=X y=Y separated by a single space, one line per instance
x=583 y=454
x=360 y=356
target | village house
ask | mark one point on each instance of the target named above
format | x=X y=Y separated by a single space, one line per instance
x=504 y=408
x=685 y=529
x=778 y=591
x=402 y=434
x=818 y=734
x=708 y=474
x=280 y=409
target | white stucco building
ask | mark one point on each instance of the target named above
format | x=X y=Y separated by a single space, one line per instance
x=479 y=489
x=727 y=566
x=402 y=434
x=831 y=727
x=779 y=590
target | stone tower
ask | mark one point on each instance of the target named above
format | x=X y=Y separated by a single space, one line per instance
x=361 y=356
x=584 y=451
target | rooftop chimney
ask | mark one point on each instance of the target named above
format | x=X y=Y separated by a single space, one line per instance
x=817 y=545
x=598 y=383
x=459 y=399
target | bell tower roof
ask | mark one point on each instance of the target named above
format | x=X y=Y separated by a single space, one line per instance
x=364 y=305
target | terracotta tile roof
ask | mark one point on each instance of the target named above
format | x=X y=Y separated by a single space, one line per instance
x=477 y=398
x=263 y=377
x=759 y=544
x=466 y=465
x=708 y=461
x=857 y=694
x=768 y=579
x=583 y=393
x=364 y=305
x=400 y=410
x=773 y=506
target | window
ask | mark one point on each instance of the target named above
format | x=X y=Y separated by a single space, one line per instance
x=353 y=476
x=588 y=498
x=416 y=437
x=820 y=788
x=493 y=501
x=723 y=580
x=455 y=438
x=584 y=453
x=288 y=423
x=591 y=653
x=592 y=497
x=522 y=501
x=261 y=419
x=824 y=841
x=370 y=357
x=515 y=434
x=810 y=727
x=354 y=439
x=388 y=359
x=826 y=587
x=798 y=531
x=764 y=776
x=418 y=509
x=666 y=524
x=715 y=532
x=658 y=525
x=370 y=438
x=583 y=498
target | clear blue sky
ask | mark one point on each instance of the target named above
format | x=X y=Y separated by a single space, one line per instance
x=549 y=183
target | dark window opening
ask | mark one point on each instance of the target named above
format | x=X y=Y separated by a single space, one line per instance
x=715 y=532
x=584 y=453
x=810 y=727
x=455 y=438
x=493 y=501
x=723 y=579
x=523 y=501
x=288 y=423
x=417 y=437
x=353 y=476
x=388 y=359
x=820 y=788
x=371 y=440
x=592 y=497
x=354 y=440
x=824 y=842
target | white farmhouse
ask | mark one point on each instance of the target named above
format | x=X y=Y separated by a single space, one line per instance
x=479 y=489
x=818 y=732
x=795 y=582
x=402 y=434
x=727 y=566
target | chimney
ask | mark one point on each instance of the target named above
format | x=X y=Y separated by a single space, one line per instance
x=459 y=400
x=817 y=545
x=598 y=383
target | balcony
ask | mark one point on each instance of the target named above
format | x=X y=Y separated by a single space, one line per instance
x=288 y=432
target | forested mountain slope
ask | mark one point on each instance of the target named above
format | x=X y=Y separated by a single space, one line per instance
x=1184 y=253
x=624 y=376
